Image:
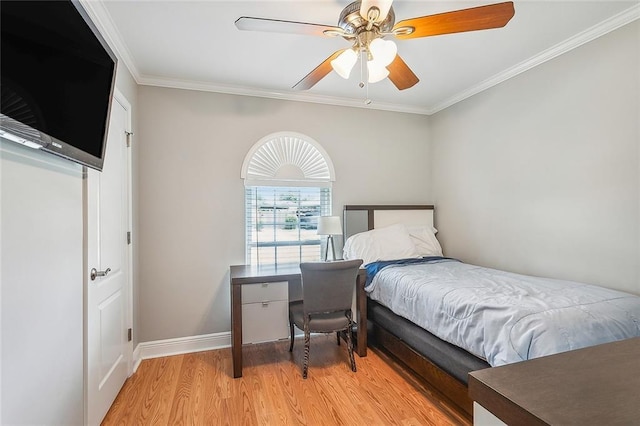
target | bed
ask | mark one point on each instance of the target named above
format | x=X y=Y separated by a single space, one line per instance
x=444 y=318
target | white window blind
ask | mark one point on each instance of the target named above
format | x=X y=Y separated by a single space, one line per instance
x=282 y=222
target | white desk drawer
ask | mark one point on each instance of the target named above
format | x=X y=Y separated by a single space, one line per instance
x=265 y=321
x=265 y=292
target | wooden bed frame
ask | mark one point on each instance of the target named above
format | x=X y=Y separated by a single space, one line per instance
x=381 y=338
x=422 y=366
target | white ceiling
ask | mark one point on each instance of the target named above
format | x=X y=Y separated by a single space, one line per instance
x=195 y=44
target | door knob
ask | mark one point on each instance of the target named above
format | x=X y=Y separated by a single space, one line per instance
x=95 y=273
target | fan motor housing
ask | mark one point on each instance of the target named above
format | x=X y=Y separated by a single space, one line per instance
x=352 y=22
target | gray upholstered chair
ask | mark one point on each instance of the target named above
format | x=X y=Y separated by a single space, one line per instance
x=327 y=295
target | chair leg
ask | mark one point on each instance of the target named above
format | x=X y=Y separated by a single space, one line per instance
x=350 y=348
x=349 y=333
x=292 y=336
x=338 y=337
x=307 y=338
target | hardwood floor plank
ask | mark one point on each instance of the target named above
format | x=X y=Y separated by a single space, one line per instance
x=225 y=383
x=160 y=391
x=124 y=401
x=200 y=398
x=352 y=390
x=198 y=389
x=439 y=403
x=209 y=404
x=131 y=396
x=347 y=410
x=375 y=394
x=274 y=403
x=180 y=414
x=287 y=380
x=406 y=396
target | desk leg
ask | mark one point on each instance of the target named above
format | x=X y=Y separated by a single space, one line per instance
x=361 y=306
x=236 y=330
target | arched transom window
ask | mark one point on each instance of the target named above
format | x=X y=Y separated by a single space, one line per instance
x=287 y=178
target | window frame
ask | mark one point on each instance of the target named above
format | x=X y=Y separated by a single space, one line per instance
x=285 y=161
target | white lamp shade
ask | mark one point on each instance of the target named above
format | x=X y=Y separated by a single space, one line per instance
x=382 y=5
x=329 y=225
x=344 y=63
x=383 y=51
x=377 y=71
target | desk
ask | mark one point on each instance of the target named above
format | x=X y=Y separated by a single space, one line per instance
x=252 y=274
x=597 y=385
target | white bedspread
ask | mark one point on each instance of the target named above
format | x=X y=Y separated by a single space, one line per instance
x=504 y=317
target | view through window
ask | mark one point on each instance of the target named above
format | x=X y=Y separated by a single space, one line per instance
x=282 y=223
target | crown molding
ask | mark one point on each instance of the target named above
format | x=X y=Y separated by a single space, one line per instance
x=103 y=21
x=598 y=30
x=262 y=93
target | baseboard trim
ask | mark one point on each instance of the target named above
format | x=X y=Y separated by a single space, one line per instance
x=180 y=345
x=136 y=359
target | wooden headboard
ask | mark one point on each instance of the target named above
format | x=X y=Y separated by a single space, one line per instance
x=361 y=218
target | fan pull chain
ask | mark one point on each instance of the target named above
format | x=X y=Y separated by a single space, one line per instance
x=363 y=58
x=361 y=84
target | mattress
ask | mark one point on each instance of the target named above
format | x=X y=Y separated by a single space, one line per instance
x=502 y=317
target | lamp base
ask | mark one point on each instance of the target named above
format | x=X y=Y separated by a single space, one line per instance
x=326 y=249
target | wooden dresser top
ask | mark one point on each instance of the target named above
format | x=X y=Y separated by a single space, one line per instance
x=592 y=386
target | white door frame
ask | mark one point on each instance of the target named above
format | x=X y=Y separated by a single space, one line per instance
x=122 y=100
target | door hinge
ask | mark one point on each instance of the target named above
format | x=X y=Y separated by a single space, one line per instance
x=129 y=335
x=128 y=237
x=128 y=136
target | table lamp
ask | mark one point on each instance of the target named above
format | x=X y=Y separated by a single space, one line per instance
x=330 y=226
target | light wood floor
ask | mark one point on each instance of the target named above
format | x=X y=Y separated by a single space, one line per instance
x=198 y=389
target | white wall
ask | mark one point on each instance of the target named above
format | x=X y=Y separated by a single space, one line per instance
x=540 y=174
x=42 y=376
x=191 y=197
x=41 y=271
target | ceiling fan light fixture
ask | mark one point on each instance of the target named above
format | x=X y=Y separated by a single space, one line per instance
x=383 y=7
x=344 y=63
x=376 y=71
x=383 y=51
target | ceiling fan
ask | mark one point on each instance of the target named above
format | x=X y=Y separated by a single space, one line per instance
x=366 y=23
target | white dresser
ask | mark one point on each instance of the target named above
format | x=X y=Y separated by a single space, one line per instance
x=265 y=312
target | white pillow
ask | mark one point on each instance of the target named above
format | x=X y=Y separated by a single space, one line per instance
x=388 y=243
x=425 y=241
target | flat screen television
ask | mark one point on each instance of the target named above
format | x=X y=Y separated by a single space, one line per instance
x=56 y=80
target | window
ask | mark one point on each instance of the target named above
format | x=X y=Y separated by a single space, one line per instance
x=282 y=223
x=287 y=187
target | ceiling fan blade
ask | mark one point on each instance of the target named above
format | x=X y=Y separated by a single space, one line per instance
x=476 y=18
x=247 y=23
x=318 y=73
x=401 y=75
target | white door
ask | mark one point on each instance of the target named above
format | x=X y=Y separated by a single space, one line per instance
x=108 y=351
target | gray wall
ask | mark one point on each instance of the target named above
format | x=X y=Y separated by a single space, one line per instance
x=540 y=174
x=191 y=197
x=41 y=264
